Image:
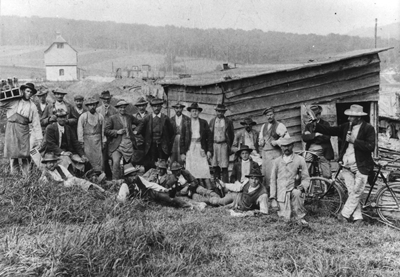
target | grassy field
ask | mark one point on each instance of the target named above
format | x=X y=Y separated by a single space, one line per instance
x=57 y=231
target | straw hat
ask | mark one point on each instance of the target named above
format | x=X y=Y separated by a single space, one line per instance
x=355 y=110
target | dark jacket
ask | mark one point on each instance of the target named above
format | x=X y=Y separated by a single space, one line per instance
x=173 y=122
x=52 y=137
x=364 y=144
x=236 y=174
x=239 y=140
x=229 y=131
x=324 y=140
x=205 y=136
x=49 y=111
x=113 y=124
x=167 y=133
x=102 y=110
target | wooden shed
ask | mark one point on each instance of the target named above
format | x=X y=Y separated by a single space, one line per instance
x=335 y=83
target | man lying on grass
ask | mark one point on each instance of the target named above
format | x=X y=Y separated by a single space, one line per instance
x=244 y=196
x=54 y=172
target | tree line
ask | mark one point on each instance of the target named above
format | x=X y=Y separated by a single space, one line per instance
x=234 y=46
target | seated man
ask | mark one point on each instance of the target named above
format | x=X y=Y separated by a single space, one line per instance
x=242 y=167
x=187 y=185
x=53 y=172
x=289 y=181
x=135 y=185
x=249 y=195
x=160 y=176
x=61 y=140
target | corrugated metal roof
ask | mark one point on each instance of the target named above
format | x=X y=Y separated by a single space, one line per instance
x=216 y=77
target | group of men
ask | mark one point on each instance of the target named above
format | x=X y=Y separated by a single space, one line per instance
x=106 y=138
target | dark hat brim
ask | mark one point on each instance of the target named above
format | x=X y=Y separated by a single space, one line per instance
x=178 y=106
x=141 y=103
x=254 y=175
x=91 y=103
x=107 y=97
x=50 y=160
x=25 y=86
x=252 y=123
x=241 y=150
x=156 y=103
x=193 y=108
x=59 y=92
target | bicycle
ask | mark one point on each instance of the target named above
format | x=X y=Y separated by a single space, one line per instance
x=322 y=196
x=386 y=201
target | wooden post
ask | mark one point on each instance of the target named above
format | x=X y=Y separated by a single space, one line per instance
x=374 y=117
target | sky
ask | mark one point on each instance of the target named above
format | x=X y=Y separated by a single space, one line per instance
x=293 y=16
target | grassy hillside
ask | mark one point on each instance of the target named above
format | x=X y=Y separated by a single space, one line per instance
x=57 y=231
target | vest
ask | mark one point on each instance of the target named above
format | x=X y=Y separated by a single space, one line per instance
x=156 y=128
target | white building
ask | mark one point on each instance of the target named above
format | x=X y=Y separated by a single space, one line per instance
x=61 y=61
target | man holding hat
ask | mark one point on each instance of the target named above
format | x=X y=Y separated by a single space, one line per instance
x=158 y=135
x=270 y=133
x=245 y=196
x=177 y=123
x=141 y=104
x=49 y=116
x=318 y=143
x=120 y=136
x=358 y=143
x=21 y=112
x=62 y=141
x=289 y=181
x=196 y=146
x=223 y=134
x=91 y=134
x=242 y=167
x=53 y=172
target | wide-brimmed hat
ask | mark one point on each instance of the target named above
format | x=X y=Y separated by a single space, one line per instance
x=255 y=171
x=91 y=101
x=156 y=101
x=121 y=103
x=141 y=101
x=129 y=168
x=243 y=148
x=105 y=95
x=94 y=172
x=59 y=91
x=195 y=106
x=221 y=107
x=175 y=166
x=61 y=113
x=49 y=157
x=78 y=97
x=248 y=121
x=355 y=110
x=285 y=141
x=316 y=108
x=30 y=86
x=162 y=164
x=178 y=105
x=269 y=109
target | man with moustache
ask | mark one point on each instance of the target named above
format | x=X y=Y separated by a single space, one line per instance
x=91 y=134
x=48 y=117
x=289 y=181
x=177 y=122
x=141 y=104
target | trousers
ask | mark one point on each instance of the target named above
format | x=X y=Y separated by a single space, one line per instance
x=355 y=183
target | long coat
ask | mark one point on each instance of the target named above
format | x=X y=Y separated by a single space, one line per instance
x=167 y=133
x=205 y=136
x=364 y=144
x=113 y=124
x=324 y=140
x=229 y=131
x=52 y=140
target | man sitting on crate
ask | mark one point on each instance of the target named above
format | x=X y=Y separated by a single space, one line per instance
x=21 y=112
x=358 y=143
x=318 y=143
x=289 y=181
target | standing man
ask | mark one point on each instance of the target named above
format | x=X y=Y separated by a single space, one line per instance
x=20 y=113
x=158 y=135
x=141 y=104
x=42 y=103
x=106 y=110
x=248 y=136
x=270 y=133
x=177 y=121
x=91 y=134
x=49 y=116
x=120 y=136
x=289 y=181
x=78 y=110
x=196 y=146
x=358 y=143
x=223 y=134
x=318 y=143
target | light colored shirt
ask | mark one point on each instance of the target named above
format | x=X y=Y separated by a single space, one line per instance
x=80 y=111
x=245 y=169
x=349 y=157
x=178 y=120
x=248 y=139
x=158 y=115
x=42 y=106
x=61 y=131
x=195 y=128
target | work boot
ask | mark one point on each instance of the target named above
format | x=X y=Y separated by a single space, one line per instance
x=342 y=219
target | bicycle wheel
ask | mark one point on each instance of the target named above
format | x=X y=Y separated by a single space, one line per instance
x=321 y=201
x=386 y=205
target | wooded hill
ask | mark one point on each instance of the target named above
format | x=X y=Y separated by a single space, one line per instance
x=234 y=46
